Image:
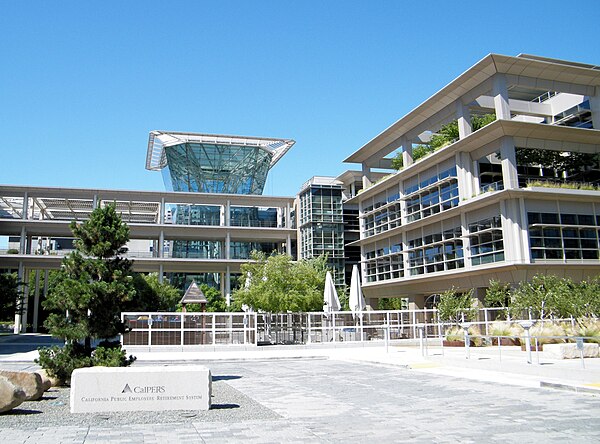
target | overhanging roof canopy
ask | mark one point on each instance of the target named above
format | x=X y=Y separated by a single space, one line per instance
x=521 y=65
x=158 y=140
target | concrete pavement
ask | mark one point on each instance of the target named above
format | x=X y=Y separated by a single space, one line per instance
x=367 y=394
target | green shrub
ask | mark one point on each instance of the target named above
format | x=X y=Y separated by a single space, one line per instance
x=543 y=331
x=111 y=357
x=475 y=334
x=589 y=328
x=500 y=329
x=455 y=333
x=60 y=362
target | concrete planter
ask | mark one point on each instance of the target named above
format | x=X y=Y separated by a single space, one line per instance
x=570 y=351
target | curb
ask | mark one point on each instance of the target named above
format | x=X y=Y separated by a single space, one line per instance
x=570 y=388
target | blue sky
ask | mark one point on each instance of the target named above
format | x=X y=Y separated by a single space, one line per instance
x=82 y=83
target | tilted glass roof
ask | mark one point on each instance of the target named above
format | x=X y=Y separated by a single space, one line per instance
x=157 y=142
x=214 y=164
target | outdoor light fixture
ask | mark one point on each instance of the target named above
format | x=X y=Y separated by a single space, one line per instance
x=527 y=324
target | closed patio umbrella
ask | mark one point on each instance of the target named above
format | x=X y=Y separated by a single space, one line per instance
x=357 y=300
x=331 y=302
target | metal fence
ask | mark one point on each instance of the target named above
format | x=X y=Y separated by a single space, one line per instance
x=188 y=329
x=198 y=329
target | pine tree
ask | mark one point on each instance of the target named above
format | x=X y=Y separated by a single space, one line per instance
x=94 y=281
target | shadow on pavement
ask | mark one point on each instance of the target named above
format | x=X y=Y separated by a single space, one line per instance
x=10 y=344
x=225 y=377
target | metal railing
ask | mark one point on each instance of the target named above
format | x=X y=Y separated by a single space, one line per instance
x=189 y=329
x=237 y=328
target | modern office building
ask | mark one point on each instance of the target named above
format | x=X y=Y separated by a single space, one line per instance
x=328 y=224
x=321 y=223
x=204 y=230
x=503 y=202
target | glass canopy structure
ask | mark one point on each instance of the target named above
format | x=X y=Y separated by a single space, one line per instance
x=216 y=164
x=209 y=163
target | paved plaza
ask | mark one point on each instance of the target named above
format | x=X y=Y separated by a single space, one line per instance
x=349 y=395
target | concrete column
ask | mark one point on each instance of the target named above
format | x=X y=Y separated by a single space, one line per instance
x=366 y=178
x=160 y=273
x=475 y=174
x=280 y=217
x=288 y=245
x=228 y=213
x=466 y=241
x=463 y=117
x=405 y=260
x=161 y=212
x=222 y=283
x=500 y=93
x=416 y=302
x=524 y=229
x=23 y=241
x=228 y=286
x=95 y=202
x=465 y=175
x=161 y=244
x=24 y=213
x=228 y=246
x=36 y=302
x=407 y=154
x=223 y=215
x=18 y=316
x=595 y=108
x=511 y=234
x=25 y=311
x=510 y=176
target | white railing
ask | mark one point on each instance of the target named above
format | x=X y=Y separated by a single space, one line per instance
x=237 y=328
x=189 y=329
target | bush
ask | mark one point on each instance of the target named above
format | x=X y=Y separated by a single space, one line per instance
x=455 y=334
x=60 y=362
x=500 y=329
x=111 y=357
x=544 y=331
x=589 y=328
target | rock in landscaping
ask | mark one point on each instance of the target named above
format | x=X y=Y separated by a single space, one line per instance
x=30 y=382
x=10 y=395
x=570 y=351
x=47 y=380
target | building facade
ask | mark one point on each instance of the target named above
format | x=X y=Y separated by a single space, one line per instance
x=321 y=223
x=516 y=197
x=204 y=231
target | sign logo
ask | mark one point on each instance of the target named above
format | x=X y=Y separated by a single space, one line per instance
x=126 y=389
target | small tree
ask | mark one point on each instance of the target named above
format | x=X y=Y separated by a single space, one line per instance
x=455 y=307
x=278 y=284
x=89 y=292
x=10 y=301
x=152 y=295
x=545 y=296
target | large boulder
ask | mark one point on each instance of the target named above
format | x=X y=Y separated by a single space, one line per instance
x=47 y=380
x=10 y=395
x=30 y=382
x=570 y=351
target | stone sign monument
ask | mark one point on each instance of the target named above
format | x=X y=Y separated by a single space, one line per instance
x=119 y=389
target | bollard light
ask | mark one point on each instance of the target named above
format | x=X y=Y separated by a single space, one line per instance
x=527 y=324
